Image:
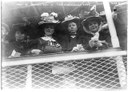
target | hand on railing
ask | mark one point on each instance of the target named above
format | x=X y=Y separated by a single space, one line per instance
x=79 y=47
x=35 y=51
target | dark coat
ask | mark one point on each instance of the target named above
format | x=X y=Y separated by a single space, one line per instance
x=25 y=46
x=104 y=35
x=67 y=42
x=48 y=46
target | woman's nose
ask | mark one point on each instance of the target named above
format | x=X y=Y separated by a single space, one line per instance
x=72 y=26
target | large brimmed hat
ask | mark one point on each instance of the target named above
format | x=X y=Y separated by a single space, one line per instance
x=19 y=27
x=48 y=19
x=71 y=18
x=86 y=21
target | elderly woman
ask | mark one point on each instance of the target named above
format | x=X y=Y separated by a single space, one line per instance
x=95 y=38
x=71 y=41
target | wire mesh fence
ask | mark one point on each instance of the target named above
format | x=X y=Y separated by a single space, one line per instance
x=14 y=76
x=86 y=73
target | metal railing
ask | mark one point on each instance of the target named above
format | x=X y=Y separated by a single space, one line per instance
x=94 y=70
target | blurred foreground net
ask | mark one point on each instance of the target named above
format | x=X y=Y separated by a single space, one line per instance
x=85 y=73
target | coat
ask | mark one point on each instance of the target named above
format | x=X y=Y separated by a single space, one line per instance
x=25 y=46
x=104 y=35
x=50 y=46
x=68 y=42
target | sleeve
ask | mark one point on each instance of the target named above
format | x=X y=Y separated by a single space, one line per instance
x=84 y=40
x=52 y=49
x=105 y=35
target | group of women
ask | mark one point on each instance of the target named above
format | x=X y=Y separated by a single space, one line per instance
x=88 y=34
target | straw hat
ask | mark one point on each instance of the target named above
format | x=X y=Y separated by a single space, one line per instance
x=71 y=18
x=48 y=19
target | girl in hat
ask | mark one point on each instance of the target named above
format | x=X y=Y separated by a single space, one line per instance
x=48 y=25
x=95 y=38
x=71 y=41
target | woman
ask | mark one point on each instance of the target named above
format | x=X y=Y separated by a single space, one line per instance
x=48 y=24
x=19 y=44
x=71 y=41
x=95 y=38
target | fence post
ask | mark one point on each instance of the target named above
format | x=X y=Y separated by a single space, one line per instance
x=112 y=29
x=115 y=42
x=29 y=77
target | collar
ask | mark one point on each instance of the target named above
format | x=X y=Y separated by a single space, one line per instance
x=47 y=38
x=73 y=36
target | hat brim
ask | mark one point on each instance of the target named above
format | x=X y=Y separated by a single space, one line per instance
x=53 y=22
x=19 y=27
x=47 y=23
x=76 y=20
x=86 y=21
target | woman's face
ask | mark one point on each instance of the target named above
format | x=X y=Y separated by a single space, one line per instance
x=19 y=36
x=49 y=30
x=93 y=26
x=72 y=27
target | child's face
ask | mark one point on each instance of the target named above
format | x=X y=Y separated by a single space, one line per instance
x=72 y=27
x=93 y=26
x=19 y=36
x=49 y=30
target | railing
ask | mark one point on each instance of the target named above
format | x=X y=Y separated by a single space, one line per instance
x=103 y=69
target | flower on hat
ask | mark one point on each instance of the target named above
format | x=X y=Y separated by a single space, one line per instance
x=46 y=18
x=45 y=14
x=54 y=14
x=70 y=17
x=93 y=8
x=93 y=11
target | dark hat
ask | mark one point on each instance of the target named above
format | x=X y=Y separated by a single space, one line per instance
x=69 y=19
x=86 y=21
x=19 y=27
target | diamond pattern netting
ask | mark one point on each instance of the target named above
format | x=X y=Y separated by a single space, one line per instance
x=87 y=73
x=125 y=61
x=14 y=76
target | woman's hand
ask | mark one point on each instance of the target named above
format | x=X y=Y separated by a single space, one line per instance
x=79 y=47
x=95 y=43
x=36 y=51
